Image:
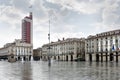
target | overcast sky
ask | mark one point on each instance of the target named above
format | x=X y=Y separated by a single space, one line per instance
x=69 y=18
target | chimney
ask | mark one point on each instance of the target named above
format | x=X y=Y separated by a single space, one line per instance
x=63 y=38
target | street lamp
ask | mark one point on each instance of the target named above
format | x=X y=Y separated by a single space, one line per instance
x=49 y=58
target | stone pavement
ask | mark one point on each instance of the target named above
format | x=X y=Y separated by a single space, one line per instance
x=39 y=70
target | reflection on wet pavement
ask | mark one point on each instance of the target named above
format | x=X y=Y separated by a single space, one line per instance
x=39 y=70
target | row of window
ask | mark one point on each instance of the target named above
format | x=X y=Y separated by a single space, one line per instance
x=109 y=33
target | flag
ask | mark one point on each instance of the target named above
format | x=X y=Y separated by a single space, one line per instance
x=119 y=47
x=113 y=48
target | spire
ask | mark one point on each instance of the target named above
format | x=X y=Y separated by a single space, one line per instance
x=30 y=15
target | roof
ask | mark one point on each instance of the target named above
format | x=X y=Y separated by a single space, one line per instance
x=66 y=41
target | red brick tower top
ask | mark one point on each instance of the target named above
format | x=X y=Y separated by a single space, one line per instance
x=27 y=28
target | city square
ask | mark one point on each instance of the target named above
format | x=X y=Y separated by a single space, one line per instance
x=39 y=70
x=59 y=40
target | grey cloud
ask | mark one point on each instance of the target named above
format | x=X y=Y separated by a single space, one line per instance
x=38 y=9
x=110 y=15
x=110 y=18
x=22 y=5
x=13 y=16
x=82 y=0
x=5 y=2
x=80 y=6
x=52 y=5
x=66 y=16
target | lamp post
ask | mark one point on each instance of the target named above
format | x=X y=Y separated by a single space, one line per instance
x=49 y=58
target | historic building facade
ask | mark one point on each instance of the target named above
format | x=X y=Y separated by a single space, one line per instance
x=65 y=50
x=103 y=47
x=17 y=50
x=37 y=54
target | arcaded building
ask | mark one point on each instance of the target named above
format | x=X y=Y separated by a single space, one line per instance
x=18 y=50
x=103 y=47
x=65 y=50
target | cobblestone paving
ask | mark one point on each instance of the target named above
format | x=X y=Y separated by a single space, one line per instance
x=39 y=70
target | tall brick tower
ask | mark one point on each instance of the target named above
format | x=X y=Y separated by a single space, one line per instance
x=27 y=29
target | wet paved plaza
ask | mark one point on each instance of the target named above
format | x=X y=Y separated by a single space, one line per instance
x=39 y=70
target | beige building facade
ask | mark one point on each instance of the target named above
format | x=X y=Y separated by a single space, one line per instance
x=18 y=50
x=103 y=47
x=65 y=50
